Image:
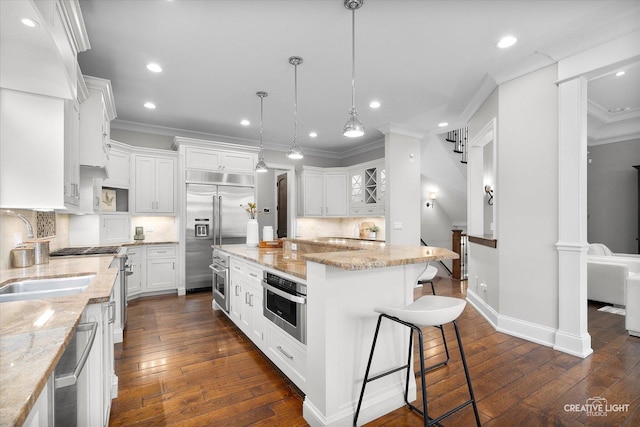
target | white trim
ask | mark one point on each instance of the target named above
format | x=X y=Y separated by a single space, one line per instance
x=619 y=138
x=397 y=129
x=487 y=86
x=178 y=141
x=104 y=86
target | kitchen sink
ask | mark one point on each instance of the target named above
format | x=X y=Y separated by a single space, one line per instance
x=44 y=288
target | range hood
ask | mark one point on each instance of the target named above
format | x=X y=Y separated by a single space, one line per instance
x=87 y=171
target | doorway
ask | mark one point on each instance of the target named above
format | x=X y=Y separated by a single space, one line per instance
x=281 y=205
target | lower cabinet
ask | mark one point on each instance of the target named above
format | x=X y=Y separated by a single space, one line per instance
x=153 y=268
x=102 y=382
x=246 y=311
x=40 y=414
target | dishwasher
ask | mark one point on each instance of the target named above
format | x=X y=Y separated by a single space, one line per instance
x=71 y=380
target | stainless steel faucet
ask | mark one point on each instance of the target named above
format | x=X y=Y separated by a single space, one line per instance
x=24 y=219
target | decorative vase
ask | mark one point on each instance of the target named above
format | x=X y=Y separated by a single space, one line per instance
x=252 y=233
x=372 y=234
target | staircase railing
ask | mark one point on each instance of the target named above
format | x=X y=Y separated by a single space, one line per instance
x=460 y=138
x=459 y=244
x=443 y=264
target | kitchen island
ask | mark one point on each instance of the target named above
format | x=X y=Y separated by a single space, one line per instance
x=345 y=280
x=35 y=333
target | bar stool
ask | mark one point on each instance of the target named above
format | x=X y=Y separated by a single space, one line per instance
x=426 y=311
x=427 y=276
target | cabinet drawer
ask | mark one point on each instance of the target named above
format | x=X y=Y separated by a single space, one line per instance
x=238 y=267
x=134 y=252
x=254 y=273
x=161 y=251
x=287 y=354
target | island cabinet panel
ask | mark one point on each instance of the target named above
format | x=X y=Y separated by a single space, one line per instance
x=287 y=354
x=246 y=300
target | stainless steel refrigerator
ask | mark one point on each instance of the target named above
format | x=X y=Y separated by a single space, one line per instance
x=214 y=217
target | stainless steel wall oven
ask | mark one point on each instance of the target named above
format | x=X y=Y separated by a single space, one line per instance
x=220 y=268
x=285 y=304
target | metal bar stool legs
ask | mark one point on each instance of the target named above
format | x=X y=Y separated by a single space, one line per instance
x=428 y=421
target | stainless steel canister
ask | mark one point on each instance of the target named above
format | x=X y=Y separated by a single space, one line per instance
x=22 y=257
x=41 y=249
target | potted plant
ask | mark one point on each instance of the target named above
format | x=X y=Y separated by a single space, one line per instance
x=372 y=231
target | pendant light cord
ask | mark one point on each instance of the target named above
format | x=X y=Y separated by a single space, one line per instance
x=353 y=61
x=261 y=99
x=295 y=105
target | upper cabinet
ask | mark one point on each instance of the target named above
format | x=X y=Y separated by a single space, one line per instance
x=154 y=184
x=323 y=192
x=96 y=113
x=119 y=166
x=216 y=156
x=368 y=188
x=41 y=59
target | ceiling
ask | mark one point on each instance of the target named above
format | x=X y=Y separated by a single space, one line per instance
x=423 y=60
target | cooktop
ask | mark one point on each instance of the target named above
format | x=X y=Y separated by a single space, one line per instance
x=88 y=250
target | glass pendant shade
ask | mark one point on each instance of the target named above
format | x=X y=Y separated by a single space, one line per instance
x=295 y=153
x=261 y=166
x=354 y=127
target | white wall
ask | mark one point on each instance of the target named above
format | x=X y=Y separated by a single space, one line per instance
x=612 y=195
x=527 y=175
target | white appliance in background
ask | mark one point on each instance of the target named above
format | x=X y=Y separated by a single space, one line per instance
x=214 y=217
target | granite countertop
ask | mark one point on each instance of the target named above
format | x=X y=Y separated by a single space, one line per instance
x=343 y=253
x=35 y=333
x=145 y=242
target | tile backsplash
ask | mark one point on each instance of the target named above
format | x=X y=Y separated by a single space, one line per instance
x=156 y=228
x=336 y=227
x=13 y=232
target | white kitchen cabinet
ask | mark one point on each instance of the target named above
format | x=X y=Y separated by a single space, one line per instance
x=216 y=157
x=31 y=147
x=154 y=185
x=287 y=354
x=115 y=228
x=246 y=299
x=134 y=280
x=96 y=113
x=367 y=189
x=154 y=269
x=71 y=154
x=119 y=166
x=323 y=192
x=40 y=414
x=100 y=366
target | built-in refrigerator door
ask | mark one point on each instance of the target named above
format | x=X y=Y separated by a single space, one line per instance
x=232 y=218
x=199 y=235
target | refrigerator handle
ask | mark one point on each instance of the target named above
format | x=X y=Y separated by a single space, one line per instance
x=219 y=220
x=215 y=223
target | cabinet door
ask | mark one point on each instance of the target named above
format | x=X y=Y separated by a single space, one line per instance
x=119 y=169
x=71 y=154
x=164 y=179
x=114 y=228
x=357 y=188
x=336 y=194
x=134 y=281
x=201 y=158
x=145 y=189
x=313 y=191
x=161 y=274
x=92 y=129
x=256 y=332
x=236 y=302
x=239 y=162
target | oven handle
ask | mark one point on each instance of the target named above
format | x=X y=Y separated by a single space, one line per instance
x=216 y=270
x=283 y=294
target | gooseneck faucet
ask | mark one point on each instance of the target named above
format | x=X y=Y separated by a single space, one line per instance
x=24 y=219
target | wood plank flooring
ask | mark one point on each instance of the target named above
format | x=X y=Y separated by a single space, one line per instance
x=183 y=364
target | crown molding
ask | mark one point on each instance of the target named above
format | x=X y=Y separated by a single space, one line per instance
x=103 y=86
x=398 y=129
x=487 y=86
x=600 y=113
x=612 y=139
x=75 y=24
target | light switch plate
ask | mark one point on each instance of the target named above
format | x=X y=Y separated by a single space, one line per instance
x=397 y=226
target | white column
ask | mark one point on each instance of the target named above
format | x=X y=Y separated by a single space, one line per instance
x=404 y=192
x=572 y=336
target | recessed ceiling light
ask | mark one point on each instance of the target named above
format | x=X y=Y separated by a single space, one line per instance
x=443 y=124
x=245 y=122
x=507 y=41
x=29 y=22
x=150 y=105
x=152 y=66
x=620 y=73
x=313 y=134
x=374 y=104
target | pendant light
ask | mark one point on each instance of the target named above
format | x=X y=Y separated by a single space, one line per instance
x=354 y=127
x=295 y=153
x=261 y=166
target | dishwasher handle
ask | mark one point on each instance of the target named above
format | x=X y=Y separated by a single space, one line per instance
x=71 y=379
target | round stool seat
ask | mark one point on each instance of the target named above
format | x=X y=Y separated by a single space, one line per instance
x=428 y=274
x=430 y=310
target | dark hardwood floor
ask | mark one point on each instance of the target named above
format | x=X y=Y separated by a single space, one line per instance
x=183 y=364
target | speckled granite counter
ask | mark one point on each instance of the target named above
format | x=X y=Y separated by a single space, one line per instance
x=29 y=353
x=346 y=254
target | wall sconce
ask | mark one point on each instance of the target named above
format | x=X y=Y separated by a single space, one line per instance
x=489 y=191
x=432 y=200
